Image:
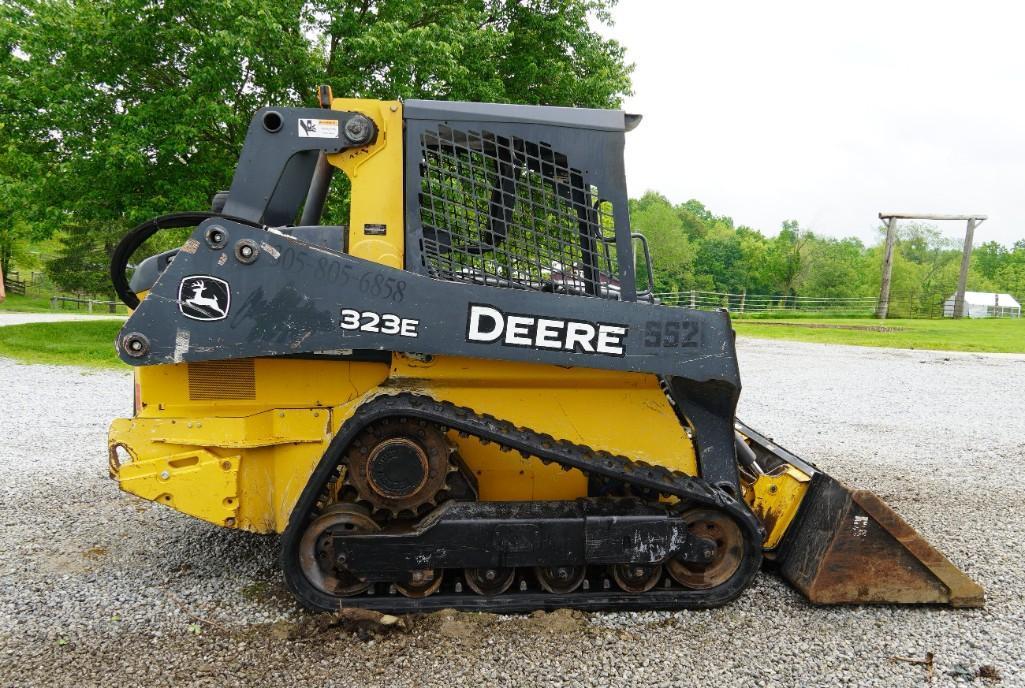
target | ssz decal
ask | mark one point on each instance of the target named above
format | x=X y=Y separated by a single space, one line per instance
x=487 y=324
x=670 y=335
x=380 y=323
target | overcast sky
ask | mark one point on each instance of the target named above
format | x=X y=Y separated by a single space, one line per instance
x=830 y=112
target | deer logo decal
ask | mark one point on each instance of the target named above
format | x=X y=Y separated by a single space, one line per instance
x=201 y=297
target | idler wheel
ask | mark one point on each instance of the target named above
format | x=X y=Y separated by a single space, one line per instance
x=316 y=550
x=729 y=550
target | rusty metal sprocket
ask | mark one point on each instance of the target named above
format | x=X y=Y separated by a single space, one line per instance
x=399 y=465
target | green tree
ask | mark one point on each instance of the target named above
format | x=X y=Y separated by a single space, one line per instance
x=787 y=257
x=836 y=269
x=721 y=258
x=672 y=254
x=987 y=259
x=754 y=248
x=134 y=108
x=16 y=231
x=1010 y=274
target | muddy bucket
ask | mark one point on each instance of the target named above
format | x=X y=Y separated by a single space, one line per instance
x=849 y=547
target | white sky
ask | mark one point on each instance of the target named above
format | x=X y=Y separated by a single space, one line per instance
x=829 y=112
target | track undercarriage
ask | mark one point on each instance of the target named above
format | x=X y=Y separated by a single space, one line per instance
x=653 y=539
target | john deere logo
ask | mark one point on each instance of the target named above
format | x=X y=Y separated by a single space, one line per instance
x=204 y=298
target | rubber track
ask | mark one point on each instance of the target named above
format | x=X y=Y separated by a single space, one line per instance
x=527 y=443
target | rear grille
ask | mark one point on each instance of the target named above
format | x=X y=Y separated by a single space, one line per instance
x=232 y=379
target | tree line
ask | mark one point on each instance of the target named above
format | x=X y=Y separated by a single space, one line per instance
x=115 y=111
x=695 y=249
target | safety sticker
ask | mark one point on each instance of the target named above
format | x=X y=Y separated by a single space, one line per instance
x=318 y=128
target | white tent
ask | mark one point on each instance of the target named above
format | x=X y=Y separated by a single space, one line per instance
x=984 y=304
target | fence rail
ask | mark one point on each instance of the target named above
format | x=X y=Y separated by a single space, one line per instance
x=14 y=285
x=910 y=305
x=60 y=302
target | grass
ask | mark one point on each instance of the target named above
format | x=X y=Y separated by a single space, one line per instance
x=15 y=303
x=989 y=335
x=82 y=343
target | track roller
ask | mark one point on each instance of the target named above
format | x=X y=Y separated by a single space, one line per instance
x=636 y=578
x=560 y=580
x=490 y=582
x=421 y=583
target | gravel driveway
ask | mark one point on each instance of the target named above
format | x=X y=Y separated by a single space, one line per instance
x=99 y=588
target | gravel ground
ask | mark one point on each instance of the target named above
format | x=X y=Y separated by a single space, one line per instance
x=98 y=588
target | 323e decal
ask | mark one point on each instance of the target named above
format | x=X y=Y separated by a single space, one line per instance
x=381 y=323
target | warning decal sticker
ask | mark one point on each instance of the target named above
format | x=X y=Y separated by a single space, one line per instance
x=318 y=128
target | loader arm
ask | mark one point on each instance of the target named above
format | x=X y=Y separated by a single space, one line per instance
x=293 y=298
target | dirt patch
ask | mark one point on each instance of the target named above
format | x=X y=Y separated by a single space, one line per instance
x=456 y=625
x=364 y=623
x=558 y=621
x=988 y=673
x=827 y=326
x=258 y=591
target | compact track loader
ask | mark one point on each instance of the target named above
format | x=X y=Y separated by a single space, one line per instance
x=467 y=397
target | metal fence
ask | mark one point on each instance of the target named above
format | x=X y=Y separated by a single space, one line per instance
x=909 y=305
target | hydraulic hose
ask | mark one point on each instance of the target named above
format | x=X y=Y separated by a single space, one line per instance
x=746 y=456
x=140 y=233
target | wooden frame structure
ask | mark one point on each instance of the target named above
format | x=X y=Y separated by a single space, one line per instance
x=891 y=237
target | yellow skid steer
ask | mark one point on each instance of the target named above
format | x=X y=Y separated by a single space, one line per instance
x=468 y=397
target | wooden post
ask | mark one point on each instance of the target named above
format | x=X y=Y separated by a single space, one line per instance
x=962 y=280
x=884 y=288
x=693 y=300
x=743 y=298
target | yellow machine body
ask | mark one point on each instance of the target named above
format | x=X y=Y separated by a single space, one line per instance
x=242 y=461
x=235 y=442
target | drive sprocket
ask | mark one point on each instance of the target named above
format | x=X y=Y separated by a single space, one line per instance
x=399 y=465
